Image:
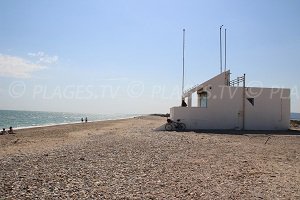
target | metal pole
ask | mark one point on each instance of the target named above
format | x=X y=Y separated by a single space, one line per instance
x=221 y=49
x=225 y=50
x=183 y=45
x=244 y=100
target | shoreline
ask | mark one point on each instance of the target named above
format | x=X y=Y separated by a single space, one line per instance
x=41 y=138
x=70 y=123
x=19 y=119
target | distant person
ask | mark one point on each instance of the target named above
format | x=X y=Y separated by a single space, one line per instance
x=86 y=120
x=81 y=119
x=11 y=131
x=3 y=132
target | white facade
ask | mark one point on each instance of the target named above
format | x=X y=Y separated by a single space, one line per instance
x=221 y=106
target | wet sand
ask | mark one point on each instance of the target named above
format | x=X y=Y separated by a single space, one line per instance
x=127 y=159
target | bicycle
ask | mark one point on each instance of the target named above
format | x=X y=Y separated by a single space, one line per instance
x=172 y=125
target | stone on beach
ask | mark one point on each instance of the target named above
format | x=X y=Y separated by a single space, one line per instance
x=126 y=159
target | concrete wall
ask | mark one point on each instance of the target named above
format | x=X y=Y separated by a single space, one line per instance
x=221 y=79
x=271 y=109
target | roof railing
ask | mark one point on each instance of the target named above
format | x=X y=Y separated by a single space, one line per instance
x=190 y=89
x=237 y=81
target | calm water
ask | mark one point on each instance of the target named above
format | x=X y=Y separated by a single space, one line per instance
x=295 y=116
x=18 y=119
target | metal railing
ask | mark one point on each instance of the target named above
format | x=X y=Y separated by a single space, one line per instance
x=185 y=92
x=237 y=81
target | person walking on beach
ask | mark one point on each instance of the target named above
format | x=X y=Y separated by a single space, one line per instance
x=86 y=120
x=81 y=119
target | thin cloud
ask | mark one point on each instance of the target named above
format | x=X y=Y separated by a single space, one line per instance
x=43 y=58
x=12 y=66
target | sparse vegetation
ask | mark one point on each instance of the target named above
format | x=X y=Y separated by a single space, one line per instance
x=161 y=115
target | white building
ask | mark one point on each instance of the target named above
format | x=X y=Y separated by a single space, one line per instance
x=225 y=104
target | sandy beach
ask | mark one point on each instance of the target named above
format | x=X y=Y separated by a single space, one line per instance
x=127 y=159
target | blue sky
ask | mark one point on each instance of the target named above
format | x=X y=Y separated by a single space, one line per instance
x=126 y=56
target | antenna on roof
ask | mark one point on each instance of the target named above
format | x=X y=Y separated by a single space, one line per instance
x=221 y=49
x=183 y=104
x=225 y=50
x=183 y=44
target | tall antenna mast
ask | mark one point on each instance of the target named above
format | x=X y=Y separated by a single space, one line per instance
x=221 y=49
x=225 y=50
x=183 y=45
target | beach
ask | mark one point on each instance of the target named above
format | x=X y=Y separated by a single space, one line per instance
x=128 y=159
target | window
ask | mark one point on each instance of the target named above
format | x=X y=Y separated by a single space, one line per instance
x=251 y=100
x=203 y=100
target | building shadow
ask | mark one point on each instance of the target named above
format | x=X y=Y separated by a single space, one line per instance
x=292 y=132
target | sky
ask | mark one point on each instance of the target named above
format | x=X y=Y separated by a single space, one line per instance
x=125 y=56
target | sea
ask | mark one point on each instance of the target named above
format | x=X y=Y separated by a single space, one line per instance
x=27 y=119
x=295 y=116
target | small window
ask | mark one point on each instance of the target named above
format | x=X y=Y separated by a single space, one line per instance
x=251 y=100
x=203 y=100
